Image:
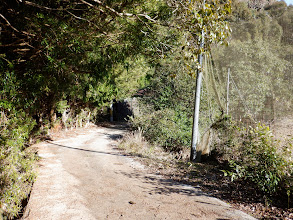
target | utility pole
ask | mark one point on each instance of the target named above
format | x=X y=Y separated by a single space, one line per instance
x=228 y=85
x=194 y=154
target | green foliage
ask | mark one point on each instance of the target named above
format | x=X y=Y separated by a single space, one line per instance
x=166 y=109
x=130 y=76
x=253 y=154
x=62 y=106
x=164 y=116
x=68 y=59
x=209 y=17
x=166 y=128
x=76 y=52
x=201 y=21
x=16 y=161
x=260 y=62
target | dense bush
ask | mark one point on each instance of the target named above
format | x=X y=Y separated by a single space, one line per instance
x=16 y=161
x=166 y=108
x=253 y=154
x=166 y=127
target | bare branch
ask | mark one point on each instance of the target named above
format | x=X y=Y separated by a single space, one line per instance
x=145 y=24
x=22 y=32
x=9 y=23
x=21 y=50
x=123 y=14
x=42 y=7
x=147 y=17
x=17 y=44
x=93 y=6
x=80 y=18
x=84 y=19
x=109 y=8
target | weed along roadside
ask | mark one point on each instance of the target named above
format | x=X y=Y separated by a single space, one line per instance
x=16 y=162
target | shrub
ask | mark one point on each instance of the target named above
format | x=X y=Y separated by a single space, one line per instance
x=72 y=116
x=166 y=128
x=253 y=154
x=16 y=161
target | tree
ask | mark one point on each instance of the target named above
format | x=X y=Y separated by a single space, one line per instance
x=70 y=49
x=57 y=56
x=205 y=23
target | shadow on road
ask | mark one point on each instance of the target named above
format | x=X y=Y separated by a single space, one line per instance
x=159 y=185
x=86 y=150
x=114 y=137
x=115 y=125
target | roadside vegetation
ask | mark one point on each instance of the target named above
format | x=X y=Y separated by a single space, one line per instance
x=16 y=160
x=63 y=62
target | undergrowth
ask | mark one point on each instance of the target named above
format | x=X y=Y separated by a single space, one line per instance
x=16 y=161
x=135 y=144
x=253 y=154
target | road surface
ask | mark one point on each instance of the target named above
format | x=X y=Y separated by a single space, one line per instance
x=83 y=176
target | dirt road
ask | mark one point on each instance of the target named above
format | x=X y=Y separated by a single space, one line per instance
x=82 y=176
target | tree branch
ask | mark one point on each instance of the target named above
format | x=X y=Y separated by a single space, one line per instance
x=122 y=14
x=42 y=7
x=9 y=23
x=84 y=19
x=13 y=28
x=147 y=17
x=93 y=6
x=107 y=7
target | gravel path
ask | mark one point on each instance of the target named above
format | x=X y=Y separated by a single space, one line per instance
x=82 y=176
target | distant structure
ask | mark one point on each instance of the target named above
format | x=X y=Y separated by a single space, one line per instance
x=122 y=110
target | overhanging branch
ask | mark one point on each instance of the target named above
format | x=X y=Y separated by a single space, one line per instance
x=13 y=28
x=42 y=7
x=2 y=16
x=121 y=14
x=84 y=19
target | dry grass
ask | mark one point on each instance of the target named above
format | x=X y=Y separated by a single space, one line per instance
x=135 y=144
